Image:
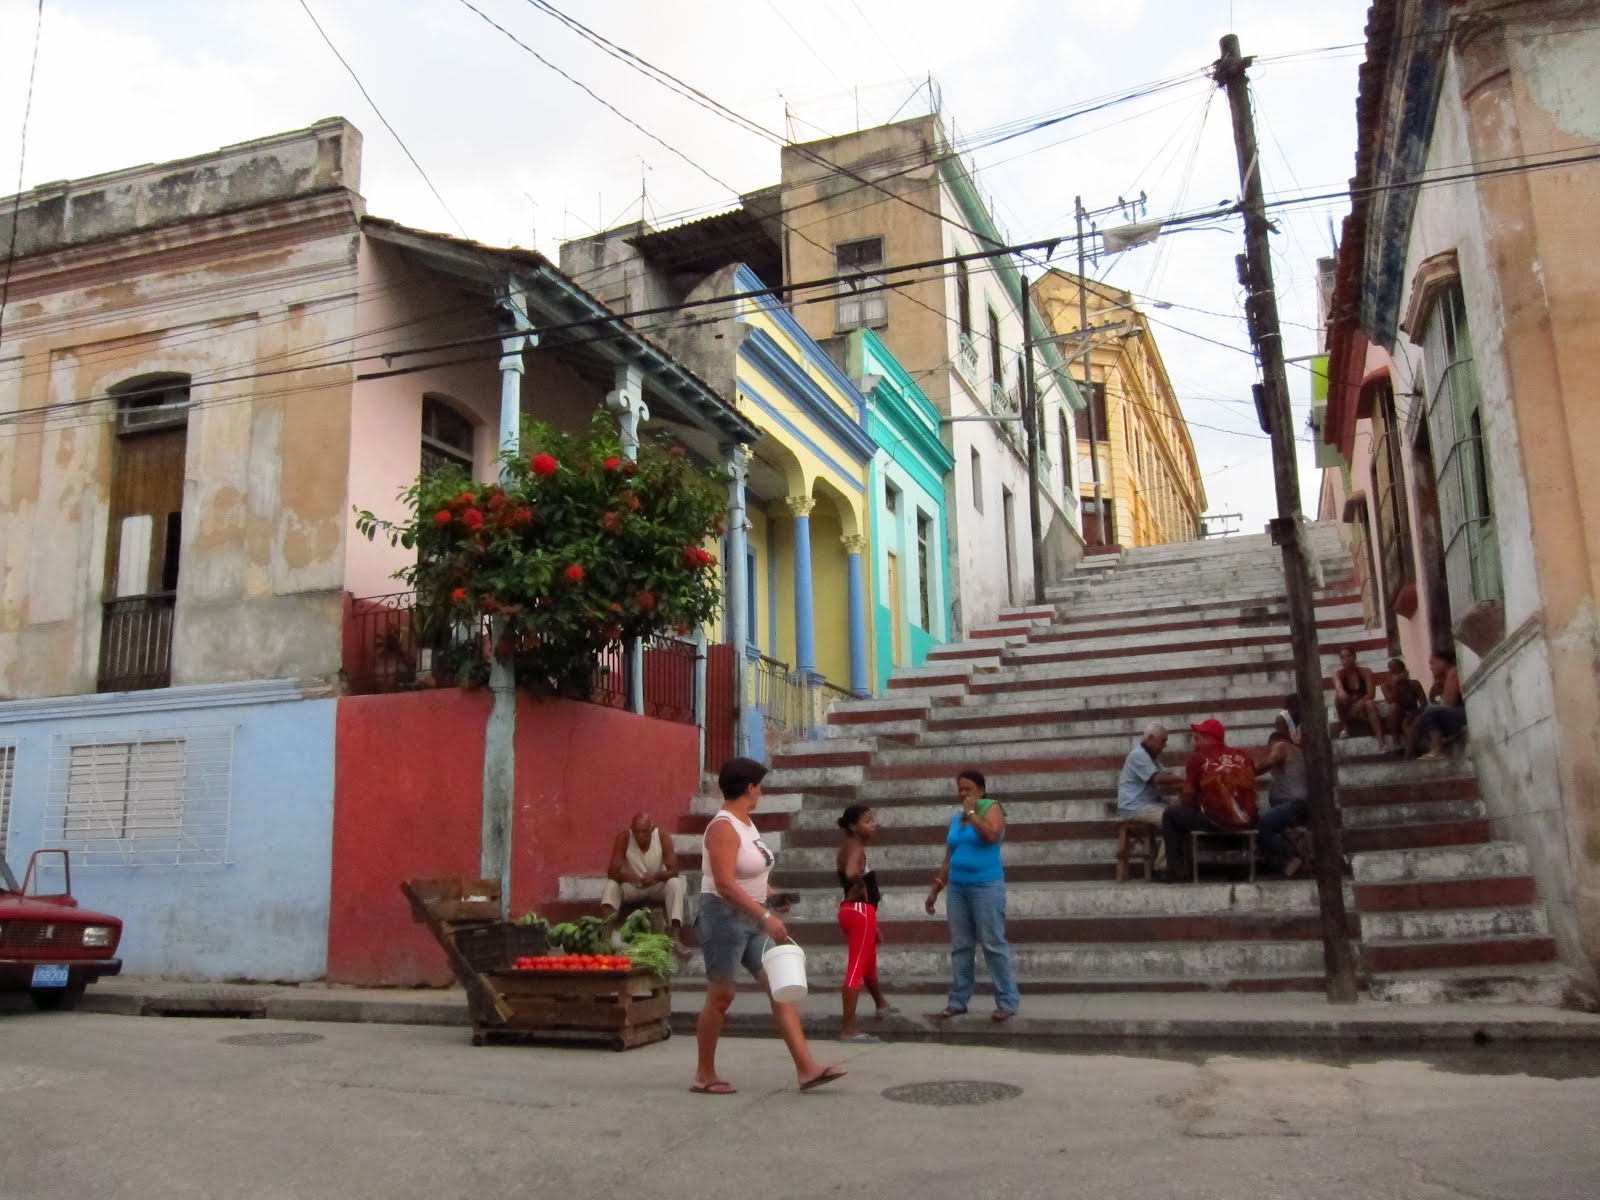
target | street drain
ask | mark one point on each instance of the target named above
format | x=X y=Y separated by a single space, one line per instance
x=949 y=1093
x=271 y=1039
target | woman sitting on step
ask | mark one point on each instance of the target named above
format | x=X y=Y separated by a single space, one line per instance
x=1287 y=794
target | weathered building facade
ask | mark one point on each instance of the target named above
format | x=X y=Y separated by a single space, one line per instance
x=1461 y=344
x=1150 y=485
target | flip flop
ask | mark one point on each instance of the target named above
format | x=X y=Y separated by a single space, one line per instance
x=944 y=1014
x=829 y=1074
x=719 y=1088
x=891 y=1011
x=863 y=1039
x=1000 y=1014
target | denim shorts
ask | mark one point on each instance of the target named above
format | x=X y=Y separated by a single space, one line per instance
x=729 y=937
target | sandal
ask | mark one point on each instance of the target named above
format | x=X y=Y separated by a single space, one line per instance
x=1001 y=1014
x=945 y=1013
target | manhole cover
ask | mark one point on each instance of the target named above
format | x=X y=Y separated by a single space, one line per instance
x=271 y=1039
x=949 y=1092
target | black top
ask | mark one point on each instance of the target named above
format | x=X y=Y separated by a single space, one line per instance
x=1359 y=691
x=870 y=879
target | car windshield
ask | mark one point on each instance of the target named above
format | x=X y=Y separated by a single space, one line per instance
x=8 y=881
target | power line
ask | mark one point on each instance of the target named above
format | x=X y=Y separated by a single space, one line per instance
x=393 y=132
x=22 y=158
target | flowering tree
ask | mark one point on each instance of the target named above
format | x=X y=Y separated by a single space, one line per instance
x=575 y=548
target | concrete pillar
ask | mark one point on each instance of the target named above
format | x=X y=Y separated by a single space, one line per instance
x=860 y=680
x=626 y=400
x=735 y=570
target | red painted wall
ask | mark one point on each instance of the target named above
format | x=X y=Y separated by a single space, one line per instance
x=408 y=802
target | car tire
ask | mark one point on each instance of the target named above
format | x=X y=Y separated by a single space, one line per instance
x=57 y=999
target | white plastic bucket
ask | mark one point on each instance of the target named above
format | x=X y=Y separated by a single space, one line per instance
x=786 y=972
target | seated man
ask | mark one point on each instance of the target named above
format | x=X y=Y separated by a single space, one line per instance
x=1138 y=787
x=1403 y=702
x=1355 y=698
x=644 y=867
x=1446 y=714
x=1219 y=796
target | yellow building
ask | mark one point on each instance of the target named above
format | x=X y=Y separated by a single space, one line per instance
x=1149 y=477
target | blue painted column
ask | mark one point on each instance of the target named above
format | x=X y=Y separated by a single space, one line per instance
x=860 y=683
x=805 y=632
x=736 y=462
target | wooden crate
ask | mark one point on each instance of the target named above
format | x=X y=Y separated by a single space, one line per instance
x=622 y=1009
x=451 y=899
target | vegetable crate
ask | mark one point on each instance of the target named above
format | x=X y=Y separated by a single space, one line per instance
x=622 y=1009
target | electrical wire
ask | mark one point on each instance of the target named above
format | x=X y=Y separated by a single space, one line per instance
x=22 y=159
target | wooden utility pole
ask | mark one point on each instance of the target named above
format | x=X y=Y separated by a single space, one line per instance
x=1261 y=303
x=1030 y=428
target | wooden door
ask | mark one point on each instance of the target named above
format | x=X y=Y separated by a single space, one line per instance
x=897 y=607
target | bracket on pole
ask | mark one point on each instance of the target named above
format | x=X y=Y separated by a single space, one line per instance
x=1282 y=530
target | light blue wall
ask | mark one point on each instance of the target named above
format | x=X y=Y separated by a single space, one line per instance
x=263 y=913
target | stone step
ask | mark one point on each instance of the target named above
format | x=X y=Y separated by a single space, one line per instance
x=1201 y=929
x=1215 y=638
x=1381 y=957
x=1543 y=984
x=1040 y=985
x=1469 y=924
x=1434 y=864
x=1213 y=962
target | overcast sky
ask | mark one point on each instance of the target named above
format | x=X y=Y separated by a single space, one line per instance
x=521 y=155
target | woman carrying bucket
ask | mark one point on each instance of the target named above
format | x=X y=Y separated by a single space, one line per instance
x=977 y=901
x=858 y=917
x=737 y=926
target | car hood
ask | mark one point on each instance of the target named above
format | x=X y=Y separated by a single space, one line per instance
x=32 y=908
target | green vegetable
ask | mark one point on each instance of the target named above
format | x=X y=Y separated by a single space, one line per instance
x=655 y=951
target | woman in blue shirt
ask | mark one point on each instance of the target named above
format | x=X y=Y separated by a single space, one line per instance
x=977 y=902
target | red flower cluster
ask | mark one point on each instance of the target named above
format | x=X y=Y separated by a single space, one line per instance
x=698 y=559
x=630 y=501
x=442 y=517
x=459 y=595
x=497 y=502
x=646 y=600
x=574 y=573
x=464 y=500
x=613 y=464
x=472 y=519
x=545 y=464
x=611 y=522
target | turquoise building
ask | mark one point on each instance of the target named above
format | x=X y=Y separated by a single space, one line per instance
x=910 y=569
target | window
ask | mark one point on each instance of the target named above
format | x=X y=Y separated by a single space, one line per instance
x=1455 y=425
x=8 y=760
x=924 y=591
x=856 y=309
x=750 y=598
x=1066 y=451
x=1388 y=486
x=964 y=303
x=997 y=366
x=143 y=798
x=977 y=480
x=891 y=499
x=1097 y=397
x=447 y=436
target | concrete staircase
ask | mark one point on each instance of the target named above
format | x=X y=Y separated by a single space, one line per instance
x=1047 y=702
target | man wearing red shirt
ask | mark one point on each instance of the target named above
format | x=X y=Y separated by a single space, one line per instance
x=1219 y=795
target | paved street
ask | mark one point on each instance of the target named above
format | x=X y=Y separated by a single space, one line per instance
x=109 y=1107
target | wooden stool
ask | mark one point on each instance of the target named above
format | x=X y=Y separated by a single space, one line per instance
x=1247 y=836
x=1140 y=836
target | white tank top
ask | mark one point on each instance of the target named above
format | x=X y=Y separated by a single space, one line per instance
x=750 y=868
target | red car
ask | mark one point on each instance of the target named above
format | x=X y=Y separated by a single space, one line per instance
x=49 y=947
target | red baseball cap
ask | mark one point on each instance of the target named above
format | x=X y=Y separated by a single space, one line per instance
x=1211 y=727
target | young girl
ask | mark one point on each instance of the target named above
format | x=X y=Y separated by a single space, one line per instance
x=858 y=917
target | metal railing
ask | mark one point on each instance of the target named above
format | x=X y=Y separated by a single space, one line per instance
x=793 y=706
x=136 y=642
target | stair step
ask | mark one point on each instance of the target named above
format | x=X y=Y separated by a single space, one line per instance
x=1381 y=957
x=1543 y=984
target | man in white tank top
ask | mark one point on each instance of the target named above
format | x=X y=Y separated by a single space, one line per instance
x=644 y=868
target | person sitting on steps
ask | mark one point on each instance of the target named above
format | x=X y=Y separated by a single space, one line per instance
x=644 y=869
x=1219 y=796
x=1403 y=702
x=1287 y=795
x=1446 y=714
x=1138 y=787
x=1355 y=698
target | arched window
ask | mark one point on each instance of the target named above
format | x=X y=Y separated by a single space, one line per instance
x=447 y=435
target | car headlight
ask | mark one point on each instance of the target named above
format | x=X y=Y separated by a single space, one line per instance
x=98 y=935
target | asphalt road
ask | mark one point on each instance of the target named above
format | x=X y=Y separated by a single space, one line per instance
x=109 y=1107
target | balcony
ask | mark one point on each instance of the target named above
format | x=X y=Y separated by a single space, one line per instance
x=967 y=359
x=136 y=643
x=793 y=706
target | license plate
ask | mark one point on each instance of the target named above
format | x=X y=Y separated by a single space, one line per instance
x=49 y=976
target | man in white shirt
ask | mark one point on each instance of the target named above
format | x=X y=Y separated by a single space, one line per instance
x=644 y=868
x=1138 y=787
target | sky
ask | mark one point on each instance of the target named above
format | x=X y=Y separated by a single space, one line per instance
x=509 y=152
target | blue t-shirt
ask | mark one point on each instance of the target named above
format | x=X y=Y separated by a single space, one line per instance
x=972 y=859
x=1136 y=786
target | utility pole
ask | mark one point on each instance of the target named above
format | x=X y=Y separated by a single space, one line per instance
x=1088 y=382
x=1030 y=427
x=1261 y=303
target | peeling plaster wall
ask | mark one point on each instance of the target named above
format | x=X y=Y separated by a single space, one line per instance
x=220 y=295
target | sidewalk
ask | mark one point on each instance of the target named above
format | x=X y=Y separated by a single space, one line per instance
x=1051 y=1021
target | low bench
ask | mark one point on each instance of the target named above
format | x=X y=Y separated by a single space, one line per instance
x=1237 y=846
